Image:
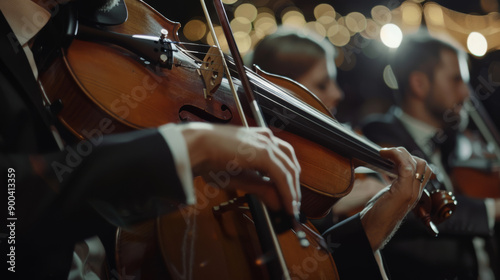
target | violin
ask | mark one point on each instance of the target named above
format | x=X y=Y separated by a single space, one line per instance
x=109 y=80
x=475 y=167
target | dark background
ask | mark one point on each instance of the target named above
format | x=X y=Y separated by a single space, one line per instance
x=363 y=85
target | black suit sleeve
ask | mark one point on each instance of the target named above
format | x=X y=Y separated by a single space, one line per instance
x=125 y=179
x=123 y=176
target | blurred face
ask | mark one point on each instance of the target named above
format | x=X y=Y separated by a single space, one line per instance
x=321 y=81
x=448 y=91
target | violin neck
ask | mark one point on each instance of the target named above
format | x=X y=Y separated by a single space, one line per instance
x=286 y=112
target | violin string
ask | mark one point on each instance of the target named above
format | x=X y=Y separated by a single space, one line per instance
x=204 y=53
x=191 y=43
x=304 y=111
x=225 y=67
x=259 y=81
x=196 y=44
x=332 y=125
x=213 y=66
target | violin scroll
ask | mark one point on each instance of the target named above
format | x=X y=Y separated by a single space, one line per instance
x=434 y=208
x=423 y=210
x=443 y=205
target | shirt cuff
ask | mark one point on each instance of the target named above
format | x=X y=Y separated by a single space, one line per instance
x=490 y=209
x=172 y=133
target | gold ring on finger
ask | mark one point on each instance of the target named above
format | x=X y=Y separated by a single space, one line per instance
x=419 y=177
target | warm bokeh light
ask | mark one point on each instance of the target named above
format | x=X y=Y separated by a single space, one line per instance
x=341 y=21
x=326 y=21
x=241 y=24
x=325 y=15
x=316 y=27
x=293 y=18
x=473 y=22
x=477 y=44
x=324 y=10
x=264 y=13
x=356 y=22
x=434 y=13
x=391 y=35
x=372 y=30
x=389 y=78
x=265 y=22
x=243 y=41
x=411 y=13
x=220 y=37
x=381 y=14
x=387 y=23
x=195 y=30
x=246 y=10
x=256 y=36
x=339 y=35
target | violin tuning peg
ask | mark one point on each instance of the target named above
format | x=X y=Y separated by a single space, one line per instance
x=163 y=34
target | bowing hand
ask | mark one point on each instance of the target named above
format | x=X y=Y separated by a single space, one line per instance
x=249 y=159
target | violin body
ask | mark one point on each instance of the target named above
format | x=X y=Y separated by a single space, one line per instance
x=122 y=93
x=220 y=229
x=477 y=173
x=106 y=89
x=475 y=167
x=213 y=244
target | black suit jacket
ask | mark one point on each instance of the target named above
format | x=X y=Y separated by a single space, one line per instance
x=414 y=254
x=58 y=194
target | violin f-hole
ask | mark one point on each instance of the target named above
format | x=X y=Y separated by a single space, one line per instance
x=220 y=114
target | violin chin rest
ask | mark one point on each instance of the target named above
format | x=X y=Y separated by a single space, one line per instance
x=113 y=13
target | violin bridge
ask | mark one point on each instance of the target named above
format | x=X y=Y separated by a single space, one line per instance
x=211 y=71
